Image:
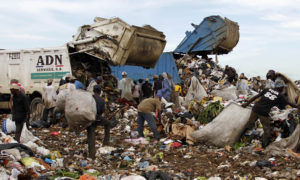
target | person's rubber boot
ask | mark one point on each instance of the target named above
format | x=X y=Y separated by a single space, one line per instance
x=106 y=136
x=113 y=122
x=64 y=125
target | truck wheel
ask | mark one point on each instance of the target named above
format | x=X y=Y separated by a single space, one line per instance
x=36 y=109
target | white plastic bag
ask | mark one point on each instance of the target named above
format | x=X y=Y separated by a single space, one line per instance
x=14 y=152
x=242 y=87
x=195 y=92
x=80 y=110
x=226 y=128
x=37 y=149
x=133 y=177
x=3 y=174
x=8 y=126
x=27 y=136
x=228 y=93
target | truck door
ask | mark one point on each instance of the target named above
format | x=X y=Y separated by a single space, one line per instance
x=14 y=67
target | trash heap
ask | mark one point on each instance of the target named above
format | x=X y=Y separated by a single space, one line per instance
x=201 y=139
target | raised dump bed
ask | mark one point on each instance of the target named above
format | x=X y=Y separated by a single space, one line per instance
x=214 y=35
x=119 y=43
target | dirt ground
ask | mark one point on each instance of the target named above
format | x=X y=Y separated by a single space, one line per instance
x=185 y=162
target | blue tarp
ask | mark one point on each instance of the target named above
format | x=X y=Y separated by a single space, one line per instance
x=166 y=63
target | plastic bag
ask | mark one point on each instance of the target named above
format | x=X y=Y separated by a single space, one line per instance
x=195 y=92
x=14 y=152
x=8 y=126
x=40 y=124
x=133 y=177
x=228 y=93
x=80 y=110
x=3 y=174
x=242 y=87
x=21 y=147
x=38 y=149
x=29 y=161
x=226 y=128
x=27 y=136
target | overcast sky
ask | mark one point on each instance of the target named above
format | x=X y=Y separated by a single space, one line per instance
x=269 y=29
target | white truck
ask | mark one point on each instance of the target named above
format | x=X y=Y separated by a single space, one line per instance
x=107 y=41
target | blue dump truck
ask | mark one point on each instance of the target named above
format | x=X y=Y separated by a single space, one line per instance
x=214 y=35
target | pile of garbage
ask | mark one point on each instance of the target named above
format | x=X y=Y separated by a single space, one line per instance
x=201 y=137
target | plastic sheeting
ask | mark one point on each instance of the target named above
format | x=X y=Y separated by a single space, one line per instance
x=166 y=63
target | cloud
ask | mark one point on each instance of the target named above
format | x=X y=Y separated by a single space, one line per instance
x=262 y=4
x=25 y=36
x=275 y=17
x=291 y=24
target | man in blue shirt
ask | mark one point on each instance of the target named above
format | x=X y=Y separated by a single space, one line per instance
x=78 y=84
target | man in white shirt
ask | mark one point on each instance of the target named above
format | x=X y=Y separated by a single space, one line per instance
x=125 y=86
x=49 y=98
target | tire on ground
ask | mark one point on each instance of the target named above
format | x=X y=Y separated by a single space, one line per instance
x=36 y=109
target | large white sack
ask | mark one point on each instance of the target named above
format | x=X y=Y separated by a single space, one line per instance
x=61 y=100
x=226 y=128
x=280 y=148
x=228 y=93
x=80 y=109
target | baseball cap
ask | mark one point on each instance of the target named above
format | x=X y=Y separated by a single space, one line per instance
x=14 y=86
x=124 y=73
x=73 y=78
x=68 y=75
x=99 y=78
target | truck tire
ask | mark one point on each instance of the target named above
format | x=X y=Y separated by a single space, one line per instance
x=36 y=109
